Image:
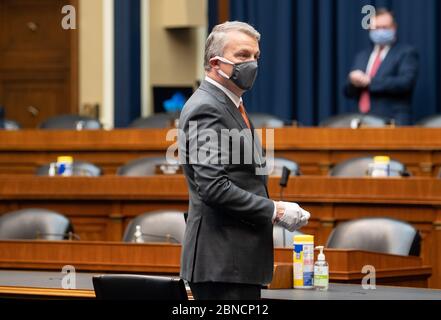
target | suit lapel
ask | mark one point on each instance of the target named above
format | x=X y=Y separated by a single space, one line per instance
x=386 y=62
x=237 y=116
x=229 y=105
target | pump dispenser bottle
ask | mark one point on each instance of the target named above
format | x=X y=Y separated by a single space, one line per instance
x=321 y=271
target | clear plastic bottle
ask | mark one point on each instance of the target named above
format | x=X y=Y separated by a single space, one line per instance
x=65 y=166
x=321 y=271
x=138 y=235
x=52 y=169
x=380 y=167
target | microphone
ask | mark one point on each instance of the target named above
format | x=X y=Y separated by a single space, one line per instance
x=284 y=178
x=283 y=184
x=69 y=235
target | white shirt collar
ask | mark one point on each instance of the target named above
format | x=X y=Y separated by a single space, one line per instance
x=374 y=54
x=236 y=100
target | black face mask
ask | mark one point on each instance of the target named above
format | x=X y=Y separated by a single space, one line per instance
x=244 y=73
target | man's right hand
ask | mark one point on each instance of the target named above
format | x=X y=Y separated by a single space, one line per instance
x=291 y=216
x=359 y=79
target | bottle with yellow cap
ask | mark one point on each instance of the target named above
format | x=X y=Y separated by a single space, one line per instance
x=303 y=259
x=380 y=167
x=65 y=166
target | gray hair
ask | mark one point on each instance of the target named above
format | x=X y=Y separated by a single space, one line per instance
x=217 y=40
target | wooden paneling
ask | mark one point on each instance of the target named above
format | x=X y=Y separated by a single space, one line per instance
x=161 y=258
x=33 y=101
x=38 y=61
x=315 y=149
x=101 y=207
x=224 y=11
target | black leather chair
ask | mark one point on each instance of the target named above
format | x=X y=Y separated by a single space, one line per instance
x=358 y=167
x=279 y=163
x=283 y=238
x=138 y=287
x=382 y=235
x=158 y=226
x=433 y=121
x=355 y=120
x=157 y=120
x=264 y=120
x=80 y=168
x=35 y=224
x=9 y=125
x=146 y=166
x=71 y=122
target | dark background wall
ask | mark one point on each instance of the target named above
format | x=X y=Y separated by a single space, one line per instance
x=308 y=47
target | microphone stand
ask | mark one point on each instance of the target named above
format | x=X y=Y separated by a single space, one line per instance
x=283 y=184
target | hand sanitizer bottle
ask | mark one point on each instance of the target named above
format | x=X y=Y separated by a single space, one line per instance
x=138 y=235
x=321 y=271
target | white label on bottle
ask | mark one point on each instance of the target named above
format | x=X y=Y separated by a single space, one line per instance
x=321 y=276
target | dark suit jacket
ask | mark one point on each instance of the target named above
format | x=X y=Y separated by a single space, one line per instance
x=392 y=87
x=229 y=234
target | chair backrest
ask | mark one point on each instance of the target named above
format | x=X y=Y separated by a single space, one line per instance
x=34 y=224
x=283 y=238
x=352 y=120
x=71 y=122
x=279 y=163
x=146 y=166
x=158 y=226
x=378 y=235
x=358 y=167
x=433 y=121
x=79 y=168
x=138 y=287
x=264 y=120
x=9 y=125
x=158 y=120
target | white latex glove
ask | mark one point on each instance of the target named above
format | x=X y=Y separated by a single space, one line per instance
x=293 y=217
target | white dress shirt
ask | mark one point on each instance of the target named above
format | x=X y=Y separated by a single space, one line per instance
x=236 y=100
x=373 y=56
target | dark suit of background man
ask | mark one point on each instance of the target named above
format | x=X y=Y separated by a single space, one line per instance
x=383 y=78
x=227 y=251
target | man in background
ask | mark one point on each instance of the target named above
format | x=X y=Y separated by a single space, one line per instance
x=383 y=78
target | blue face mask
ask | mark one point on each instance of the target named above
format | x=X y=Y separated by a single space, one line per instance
x=382 y=37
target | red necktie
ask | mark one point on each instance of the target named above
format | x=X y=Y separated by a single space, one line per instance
x=365 y=98
x=244 y=115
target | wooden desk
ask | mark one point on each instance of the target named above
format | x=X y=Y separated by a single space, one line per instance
x=100 y=208
x=353 y=292
x=157 y=258
x=315 y=149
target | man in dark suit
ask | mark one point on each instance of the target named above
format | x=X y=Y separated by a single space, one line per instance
x=384 y=77
x=227 y=251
